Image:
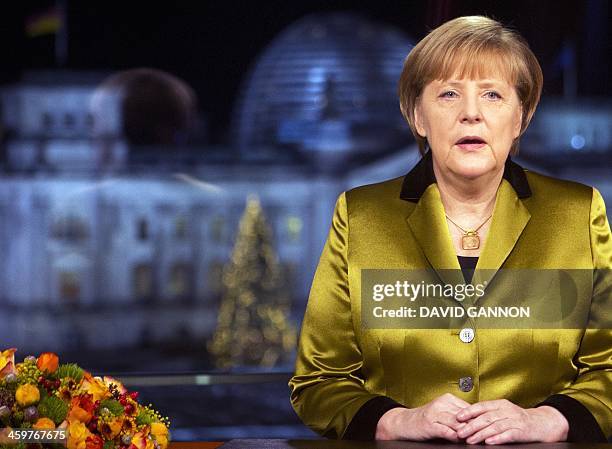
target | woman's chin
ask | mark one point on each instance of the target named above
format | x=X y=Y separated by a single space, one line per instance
x=473 y=169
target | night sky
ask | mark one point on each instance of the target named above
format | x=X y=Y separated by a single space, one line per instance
x=212 y=44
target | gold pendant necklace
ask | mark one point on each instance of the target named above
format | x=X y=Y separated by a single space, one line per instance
x=470 y=238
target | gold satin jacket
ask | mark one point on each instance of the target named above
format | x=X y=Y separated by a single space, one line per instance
x=538 y=222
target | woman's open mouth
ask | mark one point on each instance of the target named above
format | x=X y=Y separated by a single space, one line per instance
x=471 y=143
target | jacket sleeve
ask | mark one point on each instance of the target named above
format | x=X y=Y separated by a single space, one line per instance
x=327 y=388
x=591 y=391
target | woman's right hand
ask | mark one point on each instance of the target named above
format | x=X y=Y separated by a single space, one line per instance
x=436 y=419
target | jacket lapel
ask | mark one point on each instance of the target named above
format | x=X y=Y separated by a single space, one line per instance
x=510 y=216
x=428 y=225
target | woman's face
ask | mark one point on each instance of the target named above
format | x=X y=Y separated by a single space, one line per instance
x=470 y=124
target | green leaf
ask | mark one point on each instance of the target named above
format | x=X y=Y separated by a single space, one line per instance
x=53 y=408
x=144 y=418
x=70 y=370
x=113 y=406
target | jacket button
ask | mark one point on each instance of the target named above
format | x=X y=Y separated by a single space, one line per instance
x=466 y=384
x=466 y=335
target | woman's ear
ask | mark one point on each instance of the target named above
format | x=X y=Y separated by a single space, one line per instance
x=418 y=119
x=518 y=124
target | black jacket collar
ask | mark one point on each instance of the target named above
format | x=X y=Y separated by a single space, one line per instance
x=422 y=176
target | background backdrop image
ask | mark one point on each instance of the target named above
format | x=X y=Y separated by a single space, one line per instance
x=122 y=191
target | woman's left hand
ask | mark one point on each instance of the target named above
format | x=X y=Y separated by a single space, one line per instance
x=501 y=421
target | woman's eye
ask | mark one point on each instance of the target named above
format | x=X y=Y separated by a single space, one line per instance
x=492 y=95
x=448 y=94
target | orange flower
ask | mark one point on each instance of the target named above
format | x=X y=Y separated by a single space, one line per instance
x=81 y=408
x=140 y=440
x=7 y=362
x=48 y=362
x=76 y=413
x=43 y=423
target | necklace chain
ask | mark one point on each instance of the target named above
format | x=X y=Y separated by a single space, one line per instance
x=469 y=232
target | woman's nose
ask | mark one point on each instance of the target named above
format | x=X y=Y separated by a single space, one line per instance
x=470 y=112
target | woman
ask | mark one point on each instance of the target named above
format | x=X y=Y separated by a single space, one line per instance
x=468 y=91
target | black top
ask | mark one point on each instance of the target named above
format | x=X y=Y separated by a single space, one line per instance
x=468 y=265
x=422 y=175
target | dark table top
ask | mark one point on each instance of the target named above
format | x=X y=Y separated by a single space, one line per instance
x=343 y=444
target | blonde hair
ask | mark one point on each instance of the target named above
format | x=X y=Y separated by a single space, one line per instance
x=472 y=47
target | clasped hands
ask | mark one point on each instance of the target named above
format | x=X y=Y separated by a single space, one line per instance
x=494 y=422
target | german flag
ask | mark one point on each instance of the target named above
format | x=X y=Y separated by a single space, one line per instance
x=49 y=21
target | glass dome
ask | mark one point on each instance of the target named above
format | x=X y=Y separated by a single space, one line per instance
x=326 y=87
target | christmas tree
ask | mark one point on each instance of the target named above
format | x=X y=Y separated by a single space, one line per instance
x=253 y=327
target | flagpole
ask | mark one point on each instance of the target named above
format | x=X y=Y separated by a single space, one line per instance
x=61 y=37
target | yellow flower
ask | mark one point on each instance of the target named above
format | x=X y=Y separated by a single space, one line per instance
x=108 y=381
x=95 y=387
x=162 y=441
x=27 y=394
x=129 y=425
x=7 y=362
x=43 y=423
x=110 y=429
x=159 y=428
x=160 y=433
x=77 y=434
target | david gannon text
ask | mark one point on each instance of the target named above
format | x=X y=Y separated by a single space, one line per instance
x=452 y=312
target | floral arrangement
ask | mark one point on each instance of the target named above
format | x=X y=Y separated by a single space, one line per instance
x=92 y=412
